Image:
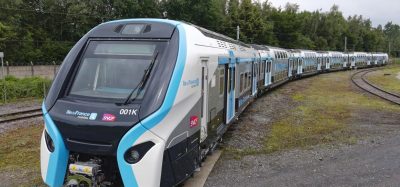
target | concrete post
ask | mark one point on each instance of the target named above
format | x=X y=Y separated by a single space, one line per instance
x=8 y=68
x=32 y=70
x=2 y=65
x=3 y=77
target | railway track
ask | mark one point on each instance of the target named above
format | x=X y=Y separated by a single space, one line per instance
x=359 y=79
x=19 y=115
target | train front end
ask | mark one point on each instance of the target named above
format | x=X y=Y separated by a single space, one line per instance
x=115 y=84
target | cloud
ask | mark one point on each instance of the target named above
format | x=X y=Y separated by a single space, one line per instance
x=378 y=11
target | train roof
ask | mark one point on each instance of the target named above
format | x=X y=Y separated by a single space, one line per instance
x=215 y=35
x=259 y=47
x=271 y=48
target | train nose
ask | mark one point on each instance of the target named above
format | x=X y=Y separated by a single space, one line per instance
x=140 y=154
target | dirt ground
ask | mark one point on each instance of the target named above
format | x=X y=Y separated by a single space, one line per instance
x=26 y=104
x=363 y=150
x=319 y=131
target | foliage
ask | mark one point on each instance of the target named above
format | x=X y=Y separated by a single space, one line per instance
x=15 y=88
x=32 y=30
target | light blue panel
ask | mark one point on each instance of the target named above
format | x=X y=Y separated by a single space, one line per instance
x=243 y=60
x=223 y=60
x=58 y=160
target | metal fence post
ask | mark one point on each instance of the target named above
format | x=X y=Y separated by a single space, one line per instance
x=32 y=70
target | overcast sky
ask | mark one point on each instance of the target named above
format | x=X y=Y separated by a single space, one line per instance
x=379 y=11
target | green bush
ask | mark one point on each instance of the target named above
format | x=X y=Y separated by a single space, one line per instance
x=19 y=88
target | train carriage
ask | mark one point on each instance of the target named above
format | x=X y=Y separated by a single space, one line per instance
x=141 y=102
x=280 y=65
x=264 y=67
x=296 y=62
x=361 y=59
x=379 y=57
x=337 y=60
x=351 y=59
x=370 y=60
x=310 y=66
x=325 y=61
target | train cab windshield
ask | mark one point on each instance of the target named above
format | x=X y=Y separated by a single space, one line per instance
x=113 y=69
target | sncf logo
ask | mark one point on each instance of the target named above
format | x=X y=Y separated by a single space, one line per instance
x=108 y=117
x=194 y=121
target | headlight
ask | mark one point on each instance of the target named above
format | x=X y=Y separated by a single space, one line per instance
x=136 y=153
x=49 y=141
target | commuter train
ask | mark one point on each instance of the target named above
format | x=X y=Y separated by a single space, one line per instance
x=142 y=102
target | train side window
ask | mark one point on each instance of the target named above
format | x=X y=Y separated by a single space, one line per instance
x=264 y=65
x=241 y=83
x=249 y=80
x=245 y=81
x=221 y=81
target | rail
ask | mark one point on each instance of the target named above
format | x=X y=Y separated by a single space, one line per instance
x=359 y=79
x=20 y=115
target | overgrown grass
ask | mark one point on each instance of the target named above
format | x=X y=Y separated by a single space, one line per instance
x=387 y=78
x=19 y=156
x=322 y=116
x=396 y=60
x=21 y=88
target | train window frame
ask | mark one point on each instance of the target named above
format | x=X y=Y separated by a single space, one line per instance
x=160 y=47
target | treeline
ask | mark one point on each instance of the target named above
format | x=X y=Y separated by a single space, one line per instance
x=45 y=30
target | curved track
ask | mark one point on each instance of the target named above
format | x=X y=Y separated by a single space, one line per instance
x=359 y=79
x=19 y=115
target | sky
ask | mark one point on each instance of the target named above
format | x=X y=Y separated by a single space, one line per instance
x=379 y=11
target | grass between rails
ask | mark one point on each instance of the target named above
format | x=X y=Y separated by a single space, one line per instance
x=387 y=78
x=322 y=114
x=19 y=157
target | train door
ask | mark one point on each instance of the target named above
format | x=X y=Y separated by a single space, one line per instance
x=290 y=68
x=230 y=93
x=369 y=59
x=328 y=63
x=255 y=78
x=266 y=73
x=323 y=63
x=300 y=67
x=319 y=64
x=204 y=98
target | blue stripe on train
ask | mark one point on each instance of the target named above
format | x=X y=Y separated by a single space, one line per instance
x=58 y=160
x=154 y=119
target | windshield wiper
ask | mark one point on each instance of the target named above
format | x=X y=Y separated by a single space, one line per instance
x=142 y=82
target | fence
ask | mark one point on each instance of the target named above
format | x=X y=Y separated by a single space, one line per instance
x=26 y=81
x=31 y=70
